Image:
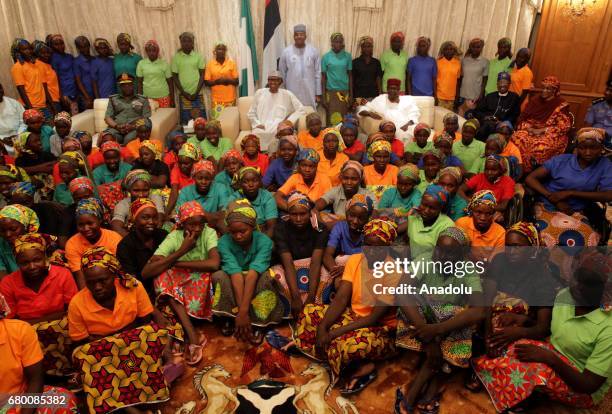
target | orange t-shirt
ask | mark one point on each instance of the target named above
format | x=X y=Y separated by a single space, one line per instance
x=520 y=79
x=96 y=158
x=215 y=70
x=512 y=150
x=31 y=77
x=86 y=317
x=305 y=140
x=449 y=72
x=77 y=245
x=332 y=168
x=372 y=177
x=319 y=186
x=19 y=348
x=485 y=245
x=134 y=146
x=50 y=78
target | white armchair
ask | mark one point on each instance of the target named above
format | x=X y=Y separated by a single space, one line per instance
x=92 y=120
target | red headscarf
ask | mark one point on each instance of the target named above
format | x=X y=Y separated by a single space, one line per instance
x=538 y=109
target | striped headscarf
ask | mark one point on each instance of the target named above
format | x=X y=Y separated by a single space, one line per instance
x=203 y=165
x=361 y=200
x=79 y=183
x=148 y=144
x=63 y=117
x=138 y=205
x=353 y=165
x=410 y=171
x=241 y=211
x=136 y=175
x=482 y=198
x=383 y=228
x=23 y=215
x=90 y=207
x=298 y=199
x=28 y=241
x=100 y=257
x=595 y=134
x=439 y=193
x=308 y=154
x=377 y=146
x=190 y=151
x=454 y=172
x=23 y=188
x=528 y=230
x=456 y=234
x=188 y=210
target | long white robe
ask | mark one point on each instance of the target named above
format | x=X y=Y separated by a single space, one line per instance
x=400 y=113
x=301 y=69
x=269 y=109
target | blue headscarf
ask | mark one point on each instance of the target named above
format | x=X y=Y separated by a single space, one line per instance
x=439 y=193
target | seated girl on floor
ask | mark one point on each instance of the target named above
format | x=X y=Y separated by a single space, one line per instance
x=444 y=143
x=381 y=174
x=143 y=134
x=38 y=164
x=331 y=157
x=404 y=195
x=350 y=135
x=414 y=150
x=378 y=136
x=433 y=162
x=387 y=128
x=113 y=169
x=312 y=136
x=283 y=165
x=450 y=178
x=149 y=159
x=229 y=164
x=180 y=175
x=252 y=155
x=96 y=156
x=71 y=166
x=496 y=145
x=208 y=138
x=15 y=220
x=62 y=123
x=182 y=265
x=174 y=140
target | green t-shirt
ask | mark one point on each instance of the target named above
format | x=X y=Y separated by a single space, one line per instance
x=391 y=198
x=469 y=155
x=212 y=202
x=394 y=67
x=590 y=342
x=209 y=150
x=172 y=242
x=264 y=205
x=496 y=66
x=422 y=186
x=188 y=67
x=336 y=67
x=102 y=175
x=413 y=147
x=126 y=63
x=7 y=258
x=154 y=77
x=235 y=260
x=423 y=239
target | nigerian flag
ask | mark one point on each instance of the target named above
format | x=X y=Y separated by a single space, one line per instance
x=249 y=72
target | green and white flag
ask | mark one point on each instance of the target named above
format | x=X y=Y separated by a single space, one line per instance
x=249 y=72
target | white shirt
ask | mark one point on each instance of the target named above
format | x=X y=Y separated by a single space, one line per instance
x=11 y=117
x=400 y=113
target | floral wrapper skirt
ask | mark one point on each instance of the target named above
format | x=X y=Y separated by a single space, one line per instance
x=325 y=289
x=191 y=289
x=56 y=345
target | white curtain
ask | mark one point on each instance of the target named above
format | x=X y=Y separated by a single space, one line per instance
x=216 y=20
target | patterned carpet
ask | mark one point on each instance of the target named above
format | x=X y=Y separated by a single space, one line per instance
x=376 y=398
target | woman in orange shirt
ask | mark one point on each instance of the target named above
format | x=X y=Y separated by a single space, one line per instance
x=312 y=136
x=349 y=330
x=29 y=78
x=449 y=72
x=108 y=316
x=307 y=180
x=332 y=157
x=381 y=174
x=222 y=78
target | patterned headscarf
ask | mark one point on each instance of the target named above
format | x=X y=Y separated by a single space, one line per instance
x=456 y=234
x=435 y=153
x=383 y=228
x=453 y=172
x=482 y=198
x=139 y=205
x=80 y=134
x=411 y=171
x=376 y=136
x=231 y=154
x=190 y=151
x=203 y=165
x=245 y=170
x=20 y=143
x=376 y=146
x=21 y=214
x=552 y=81
x=63 y=117
x=366 y=39
x=528 y=230
x=472 y=123
x=73 y=158
x=499 y=140
x=79 y=183
x=336 y=36
x=398 y=35
x=145 y=122
x=199 y=121
x=298 y=199
x=91 y=207
x=23 y=188
x=188 y=210
x=422 y=126
x=361 y=200
x=71 y=144
x=336 y=133
x=251 y=137
x=152 y=44
x=136 y=175
x=595 y=134
x=443 y=136
x=353 y=165
x=241 y=211
x=32 y=114
x=100 y=257
x=439 y=193
x=12 y=172
x=444 y=45
x=214 y=123
x=15 y=53
x=151 y=147
x=99 y=41
x=39 y=46
x=292 y=139
x=284 y=126
x=110 y=146
x=308 y=154
x=126 y=37
x=27 y=241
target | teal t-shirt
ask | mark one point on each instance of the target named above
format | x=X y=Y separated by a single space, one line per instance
x=264 y=205
x=46 y=132
x=391 y=198
x=62 y=195
x=456 y=207
x=7 y=258
x=236 y=260
x=336 y=67
x=212 y=202
x=102 y=175
x=126 y=63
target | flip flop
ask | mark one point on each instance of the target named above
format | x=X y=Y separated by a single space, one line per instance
x=400 y=402
x=434 y=402
x=197 y=350
x=361 y=384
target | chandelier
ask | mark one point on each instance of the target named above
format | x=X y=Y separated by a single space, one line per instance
x=578 y=9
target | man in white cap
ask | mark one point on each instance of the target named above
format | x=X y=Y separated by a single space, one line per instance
x=270 y=106
x=300 y=65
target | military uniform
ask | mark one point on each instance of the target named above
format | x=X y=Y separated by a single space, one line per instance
x=124 y=110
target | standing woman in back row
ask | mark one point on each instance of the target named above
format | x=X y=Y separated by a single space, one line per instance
x=336 y=80
x=27 y=76
x=188 y=74
x=154 y=77
x=125 y=61
x=501 y=63
x=222 y=77
x=63 y=65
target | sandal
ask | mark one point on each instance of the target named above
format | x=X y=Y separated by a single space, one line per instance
x=472 y=383
x=431 y=406
x=227 y=329
x=400 y=402
x=360 y=385
x=196 y=349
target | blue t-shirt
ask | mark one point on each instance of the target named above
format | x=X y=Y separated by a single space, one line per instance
x=62 y=64
x=335 y=66
x=422 y=69
x=566 y=174
x=340 y=238
x=103 y=72
x=82 y=69
x=277 y=173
